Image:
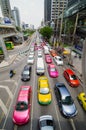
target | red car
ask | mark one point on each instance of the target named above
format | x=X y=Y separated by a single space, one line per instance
x=52 y=71
x=71 y=78
x=21 y=113
x=48 y=59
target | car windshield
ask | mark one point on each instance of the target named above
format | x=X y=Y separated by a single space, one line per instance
x=30 y=58
x=26 y=72
x=21 y=106
x=73 y=77
x=40 y=69
x=67 y=101
x=60 y=59
x=46 y=123
x=52 y=69
x=44 y=90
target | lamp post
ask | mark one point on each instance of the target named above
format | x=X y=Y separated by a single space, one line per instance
x=53 y=27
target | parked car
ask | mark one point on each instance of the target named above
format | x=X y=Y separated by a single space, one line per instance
x=65 y=101
x=26 y=74
x=21 y=113
x=46 y=122
x=71 y=78
x=82 y=99
x=48 y=59
x=52 y=71
x=44 y=93
x=58 y=60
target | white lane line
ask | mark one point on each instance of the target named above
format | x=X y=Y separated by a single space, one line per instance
x=10 y=105
x=15 y=127
x=3 y=107
x=8 y=90
x=72 y=123
x=33 y=96
x=53 y=99
x=8 y=80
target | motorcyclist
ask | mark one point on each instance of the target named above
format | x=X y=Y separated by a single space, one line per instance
x=12 y=72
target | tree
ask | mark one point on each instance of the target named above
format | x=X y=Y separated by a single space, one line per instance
x=46 y=32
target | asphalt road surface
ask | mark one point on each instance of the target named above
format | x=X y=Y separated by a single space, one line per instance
x=12 y=86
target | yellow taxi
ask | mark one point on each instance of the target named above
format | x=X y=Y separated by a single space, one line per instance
x=82 y=99
x=44 y=93
x=66 y=52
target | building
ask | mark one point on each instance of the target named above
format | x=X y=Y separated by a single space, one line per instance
x=16 y=16
x=47 y=11
x=6 y=8
x=72 y=2
x=57 y=7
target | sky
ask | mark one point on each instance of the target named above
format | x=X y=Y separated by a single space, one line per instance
x=31 y=11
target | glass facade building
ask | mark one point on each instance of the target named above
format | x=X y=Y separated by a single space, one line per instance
x=47 y=11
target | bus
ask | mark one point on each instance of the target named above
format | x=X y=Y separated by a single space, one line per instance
x=9 y=45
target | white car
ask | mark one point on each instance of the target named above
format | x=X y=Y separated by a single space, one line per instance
x=46 y=122
x=58 y=60
x=31 y=53
x=30 y=59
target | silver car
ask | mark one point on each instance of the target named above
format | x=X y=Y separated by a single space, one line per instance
x=65 y=101
x=46 y=122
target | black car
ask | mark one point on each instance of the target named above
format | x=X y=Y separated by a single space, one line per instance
x=26 y=74
x=65 y=101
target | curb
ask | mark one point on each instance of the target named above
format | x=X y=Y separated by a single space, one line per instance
x=4 y=67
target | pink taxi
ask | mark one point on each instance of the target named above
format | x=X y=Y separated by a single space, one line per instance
x=52 y=71
x=48 y=59
x=21 y=113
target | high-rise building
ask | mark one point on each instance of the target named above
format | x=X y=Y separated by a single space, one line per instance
x=47 y=11
x=58 y=6
x=6 y=8
x=16 y=16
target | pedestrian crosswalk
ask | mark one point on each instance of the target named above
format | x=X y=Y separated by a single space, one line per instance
x=19 y=58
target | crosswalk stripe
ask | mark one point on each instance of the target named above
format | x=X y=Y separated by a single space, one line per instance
x=8 y=91
x=3 y=107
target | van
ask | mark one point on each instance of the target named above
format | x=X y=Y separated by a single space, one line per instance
x=40 y=66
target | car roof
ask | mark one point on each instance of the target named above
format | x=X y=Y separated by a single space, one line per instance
x=57 y=56
x=46 y=117
x=23 y=93
x=69 y=71
x=63 y=90
x=27 y=66
x=52 y=65
x=43 y=83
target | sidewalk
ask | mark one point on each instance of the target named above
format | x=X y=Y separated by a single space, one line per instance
x=77 y=63
x=10 y=60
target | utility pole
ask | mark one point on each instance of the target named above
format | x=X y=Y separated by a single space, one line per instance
x=61 y=22
x=57 y=19
x=76 y=21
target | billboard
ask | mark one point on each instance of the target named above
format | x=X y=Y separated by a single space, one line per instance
x=7 y=20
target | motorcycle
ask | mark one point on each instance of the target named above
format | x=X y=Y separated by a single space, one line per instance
x=12 y=73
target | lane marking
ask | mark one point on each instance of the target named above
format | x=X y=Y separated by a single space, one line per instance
x=3 y=107
x=8 y=91
x=52 y=95
x=15 y=127
x=72 y=123
x=33 y=97
x=10 y=105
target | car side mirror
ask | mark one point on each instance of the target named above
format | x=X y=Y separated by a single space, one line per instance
x=29 y=105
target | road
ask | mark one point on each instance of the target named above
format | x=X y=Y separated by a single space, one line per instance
x=77 y=123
